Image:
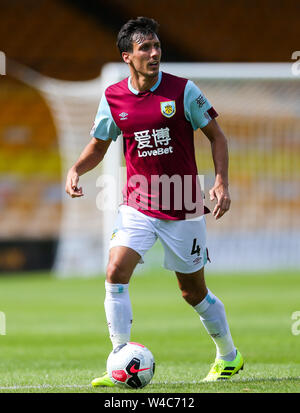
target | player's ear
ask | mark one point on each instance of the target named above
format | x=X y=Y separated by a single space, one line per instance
x=126 y=57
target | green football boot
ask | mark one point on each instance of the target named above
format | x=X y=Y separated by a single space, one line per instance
x=103 y=381
x=224 y=370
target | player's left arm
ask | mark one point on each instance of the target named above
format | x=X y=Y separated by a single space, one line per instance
x=219 y=148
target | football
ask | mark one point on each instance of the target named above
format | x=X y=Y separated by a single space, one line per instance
x=131 y=365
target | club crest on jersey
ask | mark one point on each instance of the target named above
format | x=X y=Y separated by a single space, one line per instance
x=168 y=108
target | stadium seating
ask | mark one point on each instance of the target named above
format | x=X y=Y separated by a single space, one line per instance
x=62 y=41
x=191 y=27
x=55 y=39
x=30 y=191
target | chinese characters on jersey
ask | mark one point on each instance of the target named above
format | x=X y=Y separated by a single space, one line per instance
x=153 y=143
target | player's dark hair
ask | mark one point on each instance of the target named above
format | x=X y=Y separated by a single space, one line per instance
x=143 y=26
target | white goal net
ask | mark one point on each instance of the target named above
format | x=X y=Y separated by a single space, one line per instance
x=259 y=112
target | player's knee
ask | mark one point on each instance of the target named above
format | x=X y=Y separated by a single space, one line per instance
x=116 y=273
x=193 y=296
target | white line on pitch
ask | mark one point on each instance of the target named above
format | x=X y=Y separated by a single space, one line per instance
x=70 y=386
x=44 y=386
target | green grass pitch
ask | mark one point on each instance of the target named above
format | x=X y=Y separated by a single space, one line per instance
x=57 y=341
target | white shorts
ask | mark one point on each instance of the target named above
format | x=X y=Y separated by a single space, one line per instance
x=184 y=241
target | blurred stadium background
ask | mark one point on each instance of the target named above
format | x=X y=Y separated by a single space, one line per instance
x=56 y=51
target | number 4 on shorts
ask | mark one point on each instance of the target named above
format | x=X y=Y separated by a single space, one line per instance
x=196 y=248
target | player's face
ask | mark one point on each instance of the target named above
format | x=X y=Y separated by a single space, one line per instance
x=145 y=56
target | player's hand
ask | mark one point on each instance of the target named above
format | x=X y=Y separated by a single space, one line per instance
x=221 y=194
x=71 y=184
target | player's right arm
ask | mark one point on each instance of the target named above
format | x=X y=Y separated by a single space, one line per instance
x=103 y=132
x=90 y=157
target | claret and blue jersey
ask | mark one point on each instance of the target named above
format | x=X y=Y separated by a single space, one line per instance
x=157 y=127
